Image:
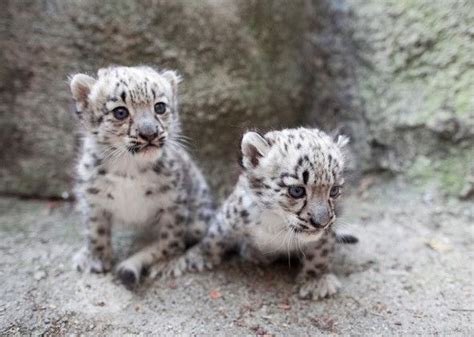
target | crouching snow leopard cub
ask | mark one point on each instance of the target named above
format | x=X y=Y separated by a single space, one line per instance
x=283 y=203
x=133 y=171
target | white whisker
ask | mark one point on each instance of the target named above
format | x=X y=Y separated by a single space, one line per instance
x=276 y=237
x=299 y=245
x=288 y=236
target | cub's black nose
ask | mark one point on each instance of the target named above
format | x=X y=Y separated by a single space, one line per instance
x=148 y=136
x=147 y=129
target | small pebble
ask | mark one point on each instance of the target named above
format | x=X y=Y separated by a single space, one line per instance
x=39 y=275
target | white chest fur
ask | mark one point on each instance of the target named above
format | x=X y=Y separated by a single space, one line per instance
x=130 y=204
x=272 y=235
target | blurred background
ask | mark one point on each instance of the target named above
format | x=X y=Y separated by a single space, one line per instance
x=397 y=76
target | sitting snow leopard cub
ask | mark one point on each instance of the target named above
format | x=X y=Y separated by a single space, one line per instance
x=133 y=171
x=283 y=203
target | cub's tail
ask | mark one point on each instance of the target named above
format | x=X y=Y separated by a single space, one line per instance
x=346 y=238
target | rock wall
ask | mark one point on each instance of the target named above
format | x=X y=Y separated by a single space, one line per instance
x=241 y=63
x=399 y=77
x=395 y=75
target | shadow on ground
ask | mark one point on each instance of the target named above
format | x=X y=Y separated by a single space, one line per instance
x=410 y=274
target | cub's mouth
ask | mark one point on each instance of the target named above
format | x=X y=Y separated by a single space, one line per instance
x=308 y=231
x=311 y=231
x=143 y=148
x=147 y=147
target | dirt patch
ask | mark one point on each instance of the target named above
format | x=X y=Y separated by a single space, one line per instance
x=410 y=274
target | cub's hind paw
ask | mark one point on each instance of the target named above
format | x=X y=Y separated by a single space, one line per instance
x=324 y=286
x=193 y=261
x=85 y=261
x=174 y=267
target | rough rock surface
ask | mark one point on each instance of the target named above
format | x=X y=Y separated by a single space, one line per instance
x=411 y=275
x=241 y=68
x=397 y=76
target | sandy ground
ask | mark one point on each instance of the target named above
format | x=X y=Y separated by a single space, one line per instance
x=411 y=274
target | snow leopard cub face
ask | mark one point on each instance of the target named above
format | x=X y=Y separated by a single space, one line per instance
x=128 y=110
x=296 y=173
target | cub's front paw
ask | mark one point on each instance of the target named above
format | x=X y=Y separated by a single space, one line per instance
x=324 y=286
x=85 y=261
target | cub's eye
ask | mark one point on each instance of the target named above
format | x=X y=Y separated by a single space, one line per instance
x=120 y=112
x=296 y=191
x=335 y=191
x=160 y=108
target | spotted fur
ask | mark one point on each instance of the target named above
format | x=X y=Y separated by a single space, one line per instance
x=133 y=171
x=263 y=218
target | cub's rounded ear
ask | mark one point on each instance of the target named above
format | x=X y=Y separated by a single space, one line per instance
x=173 y=78
x=253 y=147
x=81 y=86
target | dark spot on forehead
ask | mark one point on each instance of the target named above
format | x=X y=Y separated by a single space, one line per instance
x=123 y=95
x=305 y=177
